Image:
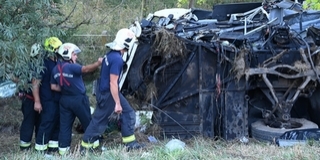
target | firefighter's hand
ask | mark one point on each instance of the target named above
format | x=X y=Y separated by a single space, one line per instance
x=118 y=108
x=100 y=60
x=37 y=107
x=21 y=95
x=114 y=117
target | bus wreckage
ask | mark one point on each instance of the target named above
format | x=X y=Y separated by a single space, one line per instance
x=233 y=72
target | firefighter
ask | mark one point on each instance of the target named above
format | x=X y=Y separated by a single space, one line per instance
x=30 y=122
x=110 y=100
x=67 y=78
x=47 y=100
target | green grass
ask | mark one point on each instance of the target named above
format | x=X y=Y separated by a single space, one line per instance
x=198 y=148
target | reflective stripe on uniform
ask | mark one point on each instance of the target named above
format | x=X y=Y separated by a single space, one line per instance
x=63 y=151
x=25 y=144
x=95 y=144
x=53 y=144
x=41 y=147
x=128 y=139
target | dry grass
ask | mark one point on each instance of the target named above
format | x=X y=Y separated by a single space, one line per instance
x=301 y=66
x=239 y=64
x=197 y=148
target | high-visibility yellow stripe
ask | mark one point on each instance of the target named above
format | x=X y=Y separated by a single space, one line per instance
x=63 y=151
x=53 y=144
x=95 y=144
x=25 y=144
x=40 y=147
x=128 y=139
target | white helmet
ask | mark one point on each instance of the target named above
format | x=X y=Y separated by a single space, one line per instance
x=66 y=50
x=35 y=50
x=123 y=39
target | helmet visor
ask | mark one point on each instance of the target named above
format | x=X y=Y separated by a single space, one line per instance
x=77 y=51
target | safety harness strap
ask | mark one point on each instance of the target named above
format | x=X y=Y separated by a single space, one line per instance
x=62 y=79
x=29 y=97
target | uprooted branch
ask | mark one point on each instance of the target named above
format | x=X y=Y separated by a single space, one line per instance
x=78 y=25
x=85 y=21
x=274 y=71
x=68 y=17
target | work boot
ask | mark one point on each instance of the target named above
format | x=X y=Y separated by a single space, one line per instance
x=25 y=146
x=90 y=147
x=53 y=147
x=52 y=150
x=28 y=148
x=134 y=145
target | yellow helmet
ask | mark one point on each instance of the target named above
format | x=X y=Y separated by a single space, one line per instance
x=52 y=43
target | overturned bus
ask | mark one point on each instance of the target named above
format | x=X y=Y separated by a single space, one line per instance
x=233 y=72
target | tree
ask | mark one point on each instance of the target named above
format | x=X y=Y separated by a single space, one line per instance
x=143 y=9
x=191 y=2
x=312 y=4
x=23 y=23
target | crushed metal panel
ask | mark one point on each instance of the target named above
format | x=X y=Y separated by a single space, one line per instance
x=190 y=101
x=235 y=108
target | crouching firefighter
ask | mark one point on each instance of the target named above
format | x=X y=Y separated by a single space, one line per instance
x=47 y=100
x=109 y=100
x=66 y=77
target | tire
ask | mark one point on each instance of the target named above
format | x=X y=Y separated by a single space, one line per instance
x=264 y=133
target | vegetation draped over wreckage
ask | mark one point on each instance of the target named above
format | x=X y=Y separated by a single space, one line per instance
x=167 y=43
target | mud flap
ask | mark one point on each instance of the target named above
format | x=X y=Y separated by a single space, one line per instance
x=235 y=111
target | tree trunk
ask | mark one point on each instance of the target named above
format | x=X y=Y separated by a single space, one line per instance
x=143 y=8
x=191 y=3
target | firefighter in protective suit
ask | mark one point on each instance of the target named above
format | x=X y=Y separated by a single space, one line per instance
x=109 y=100
x=67 y=78
x=31 y=118
x=47 y=100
